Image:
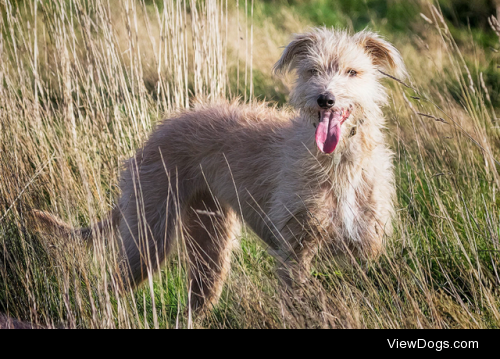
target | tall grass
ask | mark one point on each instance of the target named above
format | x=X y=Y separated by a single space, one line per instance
x=82 y=84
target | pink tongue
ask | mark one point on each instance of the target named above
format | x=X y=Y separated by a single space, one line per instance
x=328 y=131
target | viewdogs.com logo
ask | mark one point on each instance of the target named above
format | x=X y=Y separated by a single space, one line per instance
x=431 y=344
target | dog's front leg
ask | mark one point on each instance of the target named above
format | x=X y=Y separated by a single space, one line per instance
x=294 y=268
x=299 y=245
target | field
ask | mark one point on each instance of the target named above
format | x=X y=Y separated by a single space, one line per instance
x=83 y=83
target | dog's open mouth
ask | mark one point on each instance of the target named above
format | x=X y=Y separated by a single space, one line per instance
x=329 y=127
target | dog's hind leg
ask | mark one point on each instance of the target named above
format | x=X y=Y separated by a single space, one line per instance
x=147 y=233
x=210 y=230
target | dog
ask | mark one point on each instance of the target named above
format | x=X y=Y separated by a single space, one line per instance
x=318 y=173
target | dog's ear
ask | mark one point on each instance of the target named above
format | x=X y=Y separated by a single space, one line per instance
x=384 y=55
x=297 y=48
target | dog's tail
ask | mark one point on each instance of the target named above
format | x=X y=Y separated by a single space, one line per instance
x=49 y=224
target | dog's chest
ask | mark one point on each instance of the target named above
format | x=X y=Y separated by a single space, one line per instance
x=349 y=213
x=342 y=208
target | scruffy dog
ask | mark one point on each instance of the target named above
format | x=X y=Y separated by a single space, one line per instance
x=300 y=179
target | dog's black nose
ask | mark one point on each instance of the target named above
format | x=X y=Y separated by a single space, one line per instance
x=326 y=100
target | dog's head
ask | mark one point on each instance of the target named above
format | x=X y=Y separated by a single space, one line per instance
x=338 y=78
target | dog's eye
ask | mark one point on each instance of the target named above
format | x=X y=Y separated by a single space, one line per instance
x=352 y=73
x=314 y=72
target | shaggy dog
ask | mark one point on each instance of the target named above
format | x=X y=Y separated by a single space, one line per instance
x=318 y=175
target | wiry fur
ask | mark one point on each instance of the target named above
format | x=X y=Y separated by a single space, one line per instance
x=210 y=168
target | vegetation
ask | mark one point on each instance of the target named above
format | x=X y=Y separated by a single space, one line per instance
x=83 y=82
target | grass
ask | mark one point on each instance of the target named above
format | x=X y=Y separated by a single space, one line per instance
x=82 y=84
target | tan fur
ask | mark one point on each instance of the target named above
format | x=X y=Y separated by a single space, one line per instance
x=208 y=169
